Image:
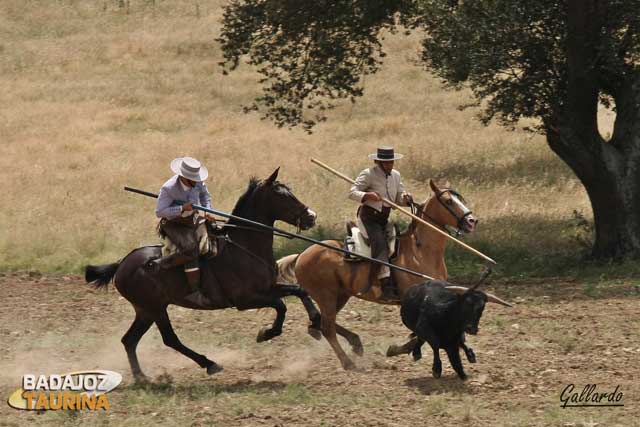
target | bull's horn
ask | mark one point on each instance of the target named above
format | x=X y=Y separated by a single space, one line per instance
x=490 y=297
x=493 y=298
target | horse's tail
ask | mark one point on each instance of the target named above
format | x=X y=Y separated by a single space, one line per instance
x=286 y=269
x=101 y=275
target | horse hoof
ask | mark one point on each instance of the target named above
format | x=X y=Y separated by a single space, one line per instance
x=315 y=333
x=394 y=350
x=214 y=369
x=358 y=349
x=349 y=365
x=266 y=334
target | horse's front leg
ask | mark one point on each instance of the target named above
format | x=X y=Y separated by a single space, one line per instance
x=267 y=333
x=285 y=290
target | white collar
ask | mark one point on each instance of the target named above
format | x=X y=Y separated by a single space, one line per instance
x=184 y=186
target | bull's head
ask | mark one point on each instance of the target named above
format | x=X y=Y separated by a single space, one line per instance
x=472 y=306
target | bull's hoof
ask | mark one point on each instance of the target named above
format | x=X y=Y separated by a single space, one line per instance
x=436 y=373
x=315 y=333
x=417 y=355
x=214 y=368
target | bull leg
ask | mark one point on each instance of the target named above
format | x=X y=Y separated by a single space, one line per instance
x=130 y=341
x=468 y=351
x=417 y=350
x=436 y=369
x=170 y=339
x=454 y=357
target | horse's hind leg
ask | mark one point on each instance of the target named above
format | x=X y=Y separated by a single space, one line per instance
x=130 y=341
x=406 y=348
x=352 y=338
x=170 y=339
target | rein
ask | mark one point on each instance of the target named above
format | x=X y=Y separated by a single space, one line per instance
x=460 y=220
x=253 y=254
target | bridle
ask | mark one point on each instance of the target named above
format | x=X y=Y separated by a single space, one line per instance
x=298 y=218
x=460 y=220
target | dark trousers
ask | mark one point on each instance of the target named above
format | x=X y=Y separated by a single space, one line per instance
x=375 y=224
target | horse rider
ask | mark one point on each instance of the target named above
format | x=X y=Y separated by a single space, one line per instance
x=182 y=226
x=372 y=185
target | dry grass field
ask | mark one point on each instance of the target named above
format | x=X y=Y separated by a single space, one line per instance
x=95 y=99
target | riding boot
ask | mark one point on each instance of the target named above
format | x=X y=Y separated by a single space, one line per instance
x=193 y=278
x=389 y=291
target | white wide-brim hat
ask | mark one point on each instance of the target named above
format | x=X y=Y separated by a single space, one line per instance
x=189 y=168
x=385 y=154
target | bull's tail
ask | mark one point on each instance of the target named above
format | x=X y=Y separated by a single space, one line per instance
x=286 y=269
x=101 y=275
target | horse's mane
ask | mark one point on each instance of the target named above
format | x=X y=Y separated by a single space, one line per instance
x=243 y=205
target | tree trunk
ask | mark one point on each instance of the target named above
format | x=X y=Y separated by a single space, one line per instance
x=609 y=170
x=612 y=181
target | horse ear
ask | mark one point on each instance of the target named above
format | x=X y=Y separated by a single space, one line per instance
x=273 y=176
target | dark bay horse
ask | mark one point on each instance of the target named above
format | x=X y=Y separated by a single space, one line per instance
x=243 y=275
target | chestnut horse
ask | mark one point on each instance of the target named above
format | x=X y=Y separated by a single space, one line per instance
x=330 y=280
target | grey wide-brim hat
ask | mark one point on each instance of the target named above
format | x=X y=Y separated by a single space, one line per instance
x=189 y=168
x=385 y=154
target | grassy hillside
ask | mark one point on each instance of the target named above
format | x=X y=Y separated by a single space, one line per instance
x=96 y=98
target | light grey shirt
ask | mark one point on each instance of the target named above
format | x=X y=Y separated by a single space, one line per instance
x=375 y=179
x=173 y=194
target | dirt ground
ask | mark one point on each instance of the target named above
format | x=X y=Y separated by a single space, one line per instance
x=559 y=333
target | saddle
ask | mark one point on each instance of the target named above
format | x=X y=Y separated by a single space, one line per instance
x=357 y=241
x=215 y=235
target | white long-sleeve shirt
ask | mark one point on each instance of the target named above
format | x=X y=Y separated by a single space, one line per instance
x=375 y=179
x=173 y=194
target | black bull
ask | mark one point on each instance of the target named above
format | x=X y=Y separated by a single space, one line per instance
x=242 y=276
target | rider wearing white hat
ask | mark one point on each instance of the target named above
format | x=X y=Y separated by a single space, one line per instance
x=182 y=227
x=371 y=186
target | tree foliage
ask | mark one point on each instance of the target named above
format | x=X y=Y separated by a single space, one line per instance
x=554 y=61
x=511 y=53
x=309 y=52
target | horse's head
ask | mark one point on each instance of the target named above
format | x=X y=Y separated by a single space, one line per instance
x=448 y=208
x=276 y=201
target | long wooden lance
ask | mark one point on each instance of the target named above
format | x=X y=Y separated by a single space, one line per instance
x=289 y=234
x=406 y=212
